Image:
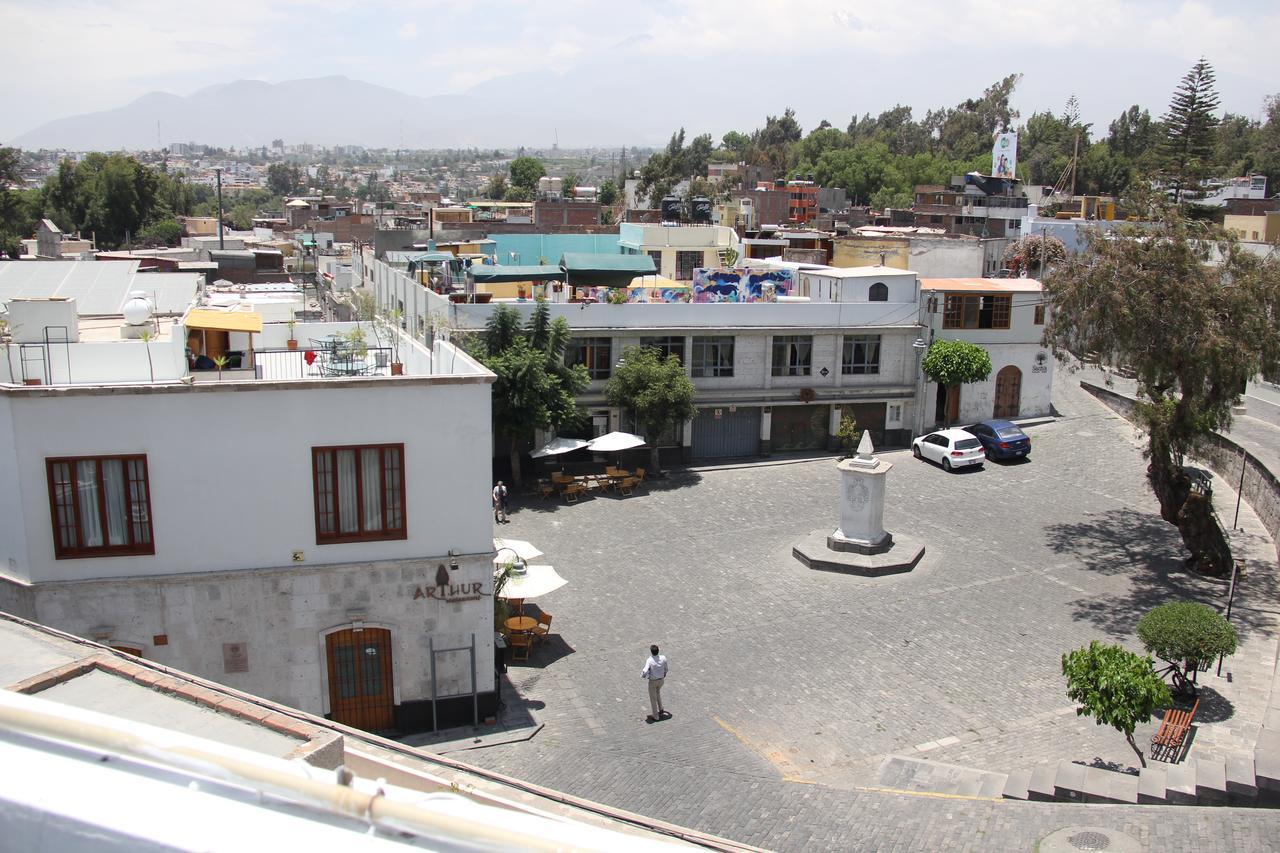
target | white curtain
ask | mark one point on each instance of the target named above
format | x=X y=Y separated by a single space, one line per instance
x=113 y=484
x=348 y=509
x=371 y=482
x=90 y=517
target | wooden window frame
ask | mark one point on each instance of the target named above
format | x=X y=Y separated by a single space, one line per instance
x=362 y=535
x=134 y=548
x=1039 y=319
x=966 y=310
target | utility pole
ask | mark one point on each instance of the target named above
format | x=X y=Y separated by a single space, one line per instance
x=218 y=171
x=1075 y=154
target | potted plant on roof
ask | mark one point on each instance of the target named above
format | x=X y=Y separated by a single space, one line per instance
x=293 y=342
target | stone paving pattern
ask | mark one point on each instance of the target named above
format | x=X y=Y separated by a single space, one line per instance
x=789 y=687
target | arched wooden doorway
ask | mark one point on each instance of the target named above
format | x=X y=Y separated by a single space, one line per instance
x=361 y=684
x=1008 y=392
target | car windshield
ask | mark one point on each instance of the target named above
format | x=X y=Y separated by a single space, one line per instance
x=967 y=444
x=1012 y=432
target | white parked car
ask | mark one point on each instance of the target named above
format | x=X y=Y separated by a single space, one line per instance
x=950 y=448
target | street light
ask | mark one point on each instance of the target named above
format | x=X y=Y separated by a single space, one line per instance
x=919 y=345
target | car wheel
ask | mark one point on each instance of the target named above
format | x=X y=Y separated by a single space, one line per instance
x=915 y=451
x=946 y=463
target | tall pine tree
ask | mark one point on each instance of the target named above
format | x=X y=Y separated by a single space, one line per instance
x=1190 y=128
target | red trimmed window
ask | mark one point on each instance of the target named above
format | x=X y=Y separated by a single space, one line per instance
x=359 y=493
x=100 y=505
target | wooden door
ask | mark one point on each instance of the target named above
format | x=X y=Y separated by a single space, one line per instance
x=361 y=686
x=1008 y=392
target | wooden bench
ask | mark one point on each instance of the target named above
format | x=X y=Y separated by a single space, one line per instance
x=1166 y=744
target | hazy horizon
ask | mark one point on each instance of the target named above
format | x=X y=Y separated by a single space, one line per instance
x=709 y=66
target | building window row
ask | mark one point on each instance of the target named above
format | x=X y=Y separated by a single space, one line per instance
x=686 y=263
x=668 y=345
x=100 y=506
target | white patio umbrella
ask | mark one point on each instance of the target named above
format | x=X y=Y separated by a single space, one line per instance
x=523 y=550
x=613 y=442
x=531 y=581
x=556 y=446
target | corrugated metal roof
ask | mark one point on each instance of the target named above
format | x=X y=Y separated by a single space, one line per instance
x=99 y=288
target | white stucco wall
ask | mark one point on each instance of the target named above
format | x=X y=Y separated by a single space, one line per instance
x=1019 y=345
x=230 y=469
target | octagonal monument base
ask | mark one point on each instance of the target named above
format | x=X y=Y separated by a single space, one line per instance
x=902 y=556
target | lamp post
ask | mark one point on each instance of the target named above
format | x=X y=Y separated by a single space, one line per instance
x=919 y=345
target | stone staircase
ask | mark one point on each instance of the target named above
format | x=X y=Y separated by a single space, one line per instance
x=1236 y=778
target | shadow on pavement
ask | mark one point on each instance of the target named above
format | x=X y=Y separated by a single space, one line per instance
x=1150 y=553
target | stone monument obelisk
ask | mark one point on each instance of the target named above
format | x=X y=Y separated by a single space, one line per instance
x=862 y=486
x=860 y=545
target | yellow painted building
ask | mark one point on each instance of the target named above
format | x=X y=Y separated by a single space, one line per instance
x=1262 y=229
x=867 y=252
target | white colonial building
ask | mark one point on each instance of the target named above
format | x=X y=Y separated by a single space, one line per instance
x=298 y=522
x=1006 y=317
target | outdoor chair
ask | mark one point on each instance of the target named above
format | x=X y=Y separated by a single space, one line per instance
x=573 y=491
x=517 y=605
x=521 y=644
x=543 y=627
x=626 y=485
x=640 y=474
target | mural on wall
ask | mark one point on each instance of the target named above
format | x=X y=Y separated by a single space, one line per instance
x=741 y=285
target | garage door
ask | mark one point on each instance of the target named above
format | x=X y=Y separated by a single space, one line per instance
x=730 y=434
x=800 y=427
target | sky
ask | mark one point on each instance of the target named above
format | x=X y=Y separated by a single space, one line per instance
x=725 y=63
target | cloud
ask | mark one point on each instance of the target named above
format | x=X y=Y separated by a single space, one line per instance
x=408 y=31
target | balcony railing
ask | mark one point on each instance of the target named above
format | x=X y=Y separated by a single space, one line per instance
x=323 y=359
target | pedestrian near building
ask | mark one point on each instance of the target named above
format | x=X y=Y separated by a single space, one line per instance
x=655 y=671
x=500 y=503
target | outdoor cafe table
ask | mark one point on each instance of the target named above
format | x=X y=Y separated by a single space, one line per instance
x=521 y=624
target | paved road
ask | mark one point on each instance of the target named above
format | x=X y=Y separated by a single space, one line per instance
x=789 y=686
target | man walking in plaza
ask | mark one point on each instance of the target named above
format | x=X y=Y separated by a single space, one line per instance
x=655 y=671
x=500 y=503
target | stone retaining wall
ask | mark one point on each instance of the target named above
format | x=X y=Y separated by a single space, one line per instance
x=1261 y=485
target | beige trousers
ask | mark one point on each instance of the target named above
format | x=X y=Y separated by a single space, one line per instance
x=655 y=695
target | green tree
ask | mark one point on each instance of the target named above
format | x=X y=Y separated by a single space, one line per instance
x=496 y=188
x=1191 y=332
x=535 y=389
x=654 y=389
x=1190 y=131
x=1186 y=635
x=608 y=195
x=955 y=363
x=241 y=216
x=1034 y=253
x=848 y=433
x=525 y=172
x=165 y=232
x=283 y=179
x=568 y=184
x=1116 y=687
x=14 y=214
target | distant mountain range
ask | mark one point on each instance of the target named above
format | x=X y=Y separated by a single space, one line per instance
x=336 y=111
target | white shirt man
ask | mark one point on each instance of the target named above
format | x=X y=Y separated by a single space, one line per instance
x=655 y=671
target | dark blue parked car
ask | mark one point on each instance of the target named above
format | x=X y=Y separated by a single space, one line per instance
x=1002 y=439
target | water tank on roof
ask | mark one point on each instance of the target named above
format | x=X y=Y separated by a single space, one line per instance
x=701 y=210
x=137 y=308
x=671 y=209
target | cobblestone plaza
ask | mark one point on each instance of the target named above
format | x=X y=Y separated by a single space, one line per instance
x=790 y=687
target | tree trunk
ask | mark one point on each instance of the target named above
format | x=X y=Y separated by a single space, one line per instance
x=1203 y=536
x=653 y=459
x=1129 y=737
x=515 y=461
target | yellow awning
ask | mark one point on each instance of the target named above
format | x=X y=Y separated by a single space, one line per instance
x=224 y=321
